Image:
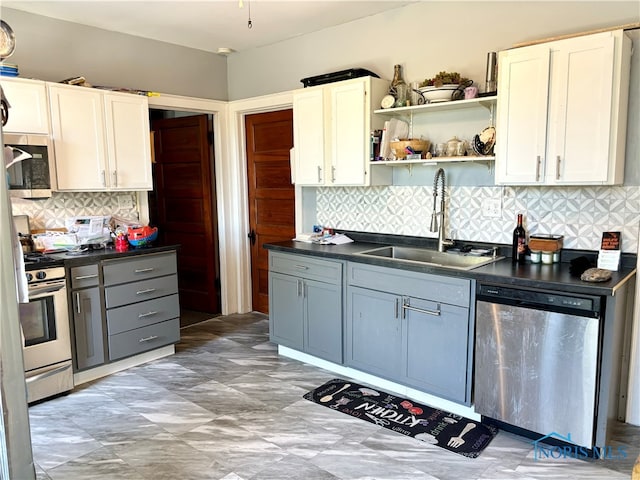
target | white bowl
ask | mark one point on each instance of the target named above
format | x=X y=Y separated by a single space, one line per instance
x=438 y=94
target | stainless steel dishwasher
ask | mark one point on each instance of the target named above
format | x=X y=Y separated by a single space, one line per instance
x=536 y=360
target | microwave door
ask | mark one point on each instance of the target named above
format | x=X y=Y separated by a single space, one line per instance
x=18 y=156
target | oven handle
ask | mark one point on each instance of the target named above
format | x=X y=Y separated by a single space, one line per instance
x=35 y=292
x=49 y=373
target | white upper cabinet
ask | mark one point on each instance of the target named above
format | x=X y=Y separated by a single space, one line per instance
x=29 y=112
x=308 y=136
x=331 y=132
x=101 y=139
x=128 y=141
x=562 y=111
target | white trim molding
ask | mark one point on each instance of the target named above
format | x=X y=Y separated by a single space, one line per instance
x=238 y=110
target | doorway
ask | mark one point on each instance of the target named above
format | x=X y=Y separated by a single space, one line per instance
x=183 y=203
x=269 y=139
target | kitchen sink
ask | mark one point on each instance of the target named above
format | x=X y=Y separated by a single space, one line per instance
x=427 y=256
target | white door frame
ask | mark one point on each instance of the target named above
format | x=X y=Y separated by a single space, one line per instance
x=238 y=164
x=231 y=186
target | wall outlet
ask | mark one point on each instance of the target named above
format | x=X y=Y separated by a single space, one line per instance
x=125 y=201
x=492 y=207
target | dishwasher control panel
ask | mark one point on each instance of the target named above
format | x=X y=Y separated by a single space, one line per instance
x=589 y=305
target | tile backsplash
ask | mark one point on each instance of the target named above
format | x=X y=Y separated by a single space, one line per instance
x=581 y=214
x=51 y=212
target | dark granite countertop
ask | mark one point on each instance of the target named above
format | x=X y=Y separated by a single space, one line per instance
x=93 y=256
x=503 y=272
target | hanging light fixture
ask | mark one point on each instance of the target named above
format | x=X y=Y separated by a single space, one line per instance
x=241 y=5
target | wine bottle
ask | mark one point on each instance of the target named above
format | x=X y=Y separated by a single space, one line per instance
x=519 y=242
x=399 y=89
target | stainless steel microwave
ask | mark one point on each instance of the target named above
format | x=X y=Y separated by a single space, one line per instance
x=31 y=168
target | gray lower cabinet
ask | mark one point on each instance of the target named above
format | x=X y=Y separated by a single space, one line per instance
x=411 y=328
x=305 y=304
x=373 y=336
x=87 y=318
x=141 y=300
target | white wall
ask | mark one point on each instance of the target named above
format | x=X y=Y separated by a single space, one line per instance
x=425 y=37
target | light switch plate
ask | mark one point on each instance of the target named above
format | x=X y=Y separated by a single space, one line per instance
x=492 y=207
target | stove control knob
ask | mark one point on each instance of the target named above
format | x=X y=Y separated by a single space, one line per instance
x=29 y=277
x=41 y=275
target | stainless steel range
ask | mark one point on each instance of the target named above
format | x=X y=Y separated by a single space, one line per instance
x=45 y=329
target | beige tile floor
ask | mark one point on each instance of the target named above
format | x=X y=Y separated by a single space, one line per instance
x=227 y=407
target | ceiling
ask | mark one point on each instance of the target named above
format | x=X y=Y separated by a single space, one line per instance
x=210 y=24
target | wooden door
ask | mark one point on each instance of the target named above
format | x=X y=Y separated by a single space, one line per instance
x=184 y=209
x=271 y=194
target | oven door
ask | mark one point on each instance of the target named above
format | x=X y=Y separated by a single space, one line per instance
x=45 y=326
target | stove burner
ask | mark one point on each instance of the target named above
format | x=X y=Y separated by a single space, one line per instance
x=37 y=260
x=37 y=257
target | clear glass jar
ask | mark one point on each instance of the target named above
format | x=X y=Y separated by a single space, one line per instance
x=536 y=256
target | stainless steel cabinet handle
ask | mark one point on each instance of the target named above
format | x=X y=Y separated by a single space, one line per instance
x=538 y=168
x=302 y=267
x=397 y=309
x=435 y=313
x=115 y=178
x=84 y=277
x=143 y=270
x=147 y=339
x=148 y=290
x=333 y=174
x=298 y=287
x=319 y=173
x=148 y=314
x=78 y=302
x=104 y=178
x=558 y=167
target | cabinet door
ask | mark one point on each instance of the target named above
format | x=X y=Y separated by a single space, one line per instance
x=308 y=136
x=580 y=110
x=349 y=135
x=437 y=339
x=77 y=124
x=521 y=120
x=29 y=112
x=88 y=328
x=128 y=142
x=286 y=322
x=323 y=314
x=373 y=334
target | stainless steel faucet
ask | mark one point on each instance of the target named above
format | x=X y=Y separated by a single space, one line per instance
x=442 y=241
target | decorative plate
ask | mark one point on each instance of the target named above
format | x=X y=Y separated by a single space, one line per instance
x=387 y=101
x=7 y=40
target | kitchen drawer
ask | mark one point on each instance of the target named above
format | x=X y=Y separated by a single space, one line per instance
x=85 y=276
x=142 y=314
x=119 y=295
x=306 y=267
x=437 y=288
x=143 y=339
x=138 y=268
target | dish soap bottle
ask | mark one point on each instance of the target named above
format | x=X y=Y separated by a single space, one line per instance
x=399 y=88
x=519 y=242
